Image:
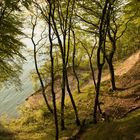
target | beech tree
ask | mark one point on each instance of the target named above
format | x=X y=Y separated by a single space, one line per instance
x=103 y=27
x=52 y=70
x=61 y=21
x=96 y=23
x=34 y=22
x=117 y=28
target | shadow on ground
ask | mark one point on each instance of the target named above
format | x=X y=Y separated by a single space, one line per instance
x=5 y=134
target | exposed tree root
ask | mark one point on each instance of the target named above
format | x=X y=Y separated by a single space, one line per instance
x=129 y=111
x=138 y=98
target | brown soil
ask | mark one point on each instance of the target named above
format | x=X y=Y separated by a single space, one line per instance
x=36 y=98
x=127 y=96
x=121 y=67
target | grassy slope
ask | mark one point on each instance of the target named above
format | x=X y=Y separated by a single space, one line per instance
x=37 y=123
x=120 y=102
x=122 y=129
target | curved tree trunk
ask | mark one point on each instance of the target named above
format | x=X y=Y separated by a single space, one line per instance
x=109 y=59
x=101 y=58
x=112 y=74
x=42 y=85
x=96 y=103
x=72 y=101
x=63 y=98
x=43 y=91
x=73 y=64
x=52 y=71
x=36 y=66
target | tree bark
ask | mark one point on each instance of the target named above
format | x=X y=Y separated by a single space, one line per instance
x=63 y=97
x=101 y=58
x=42 y=85
x=96 y=103
x=36 y=65
x=112 y=74
x=109 y=59
x=72 y=101
x=73 y=64
x=52 y=73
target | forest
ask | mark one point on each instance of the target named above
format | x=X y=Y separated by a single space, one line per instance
x=86 y=74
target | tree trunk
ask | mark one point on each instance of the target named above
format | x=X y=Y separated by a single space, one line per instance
x=112 y=74
x=77 y=79
x=109 y=59
x=63 y=97
x=54 y=98
x=73 y=63
x=92 y=72
x=42 y=85
x=94 y=81
x=101 y=58
x=72 y=101
x=37 y=70
x=96 y=102
x=52 y=73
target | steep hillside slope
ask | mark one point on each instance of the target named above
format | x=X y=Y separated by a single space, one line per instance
x=123 y=107
x=123 y=104
x=120 y=69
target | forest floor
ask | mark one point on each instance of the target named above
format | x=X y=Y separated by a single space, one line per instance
x=123 y=106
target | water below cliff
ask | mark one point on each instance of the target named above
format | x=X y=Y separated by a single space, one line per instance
x=11 y=99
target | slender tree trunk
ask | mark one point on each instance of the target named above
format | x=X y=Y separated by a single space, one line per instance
x=110 y=56
x=96 y=102
x=92 y=72
x=36 y=66
x=52 y=73
x=101 y=58
x=109 y=59
x=112 y=74
x=76 y=76
x=54 y=99
x=42 y=85
x=73 y=64
x=63 y=97
x=72 y=101
x=94 y=81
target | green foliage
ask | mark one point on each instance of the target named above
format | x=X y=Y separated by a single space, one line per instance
x=10 y=45
x=129 y=42
x=27 y=3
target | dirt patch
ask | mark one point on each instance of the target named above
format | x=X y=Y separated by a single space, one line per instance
x=127 y=96
x=129 y=81
x=127 y=64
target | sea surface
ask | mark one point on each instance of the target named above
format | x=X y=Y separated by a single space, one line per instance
x=11 y=99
